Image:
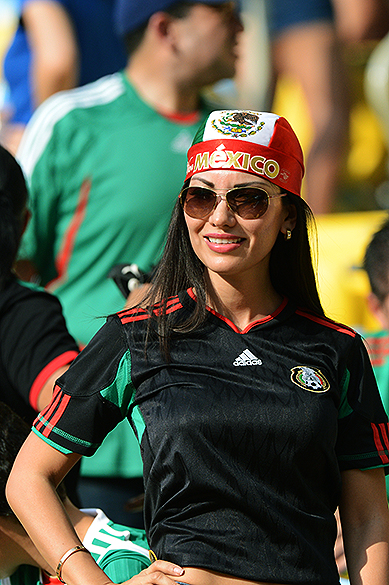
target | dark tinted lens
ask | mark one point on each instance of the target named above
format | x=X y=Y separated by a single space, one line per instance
x=198 y=202
x=248 y=202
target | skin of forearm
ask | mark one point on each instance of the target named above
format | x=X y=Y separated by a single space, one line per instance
x=368 y=555
x=80 y=568
x=32 y=496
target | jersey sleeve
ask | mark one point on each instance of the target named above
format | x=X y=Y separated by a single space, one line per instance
x=363 y=430
x=92 y=397
x=35 y=342
x=40 y=157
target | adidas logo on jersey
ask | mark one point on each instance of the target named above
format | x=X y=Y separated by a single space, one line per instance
x=247 y=358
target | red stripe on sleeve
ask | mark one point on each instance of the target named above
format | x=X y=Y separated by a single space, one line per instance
x=61 y=360
x=63 y=404
x=384 y=458
x=46 y=412
x=384 y=433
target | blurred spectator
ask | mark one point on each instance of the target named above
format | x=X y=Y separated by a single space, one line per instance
x=376 y=264
x=95 y=156
x=58 y=45
x=376 y=86
x=307 y=39
x=35 y=346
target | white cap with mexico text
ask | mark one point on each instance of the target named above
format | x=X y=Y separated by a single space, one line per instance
x=260 y=143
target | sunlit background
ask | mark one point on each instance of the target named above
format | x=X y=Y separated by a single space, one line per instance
x=363 y=193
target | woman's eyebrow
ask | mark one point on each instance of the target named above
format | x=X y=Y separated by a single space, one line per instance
x=260 y=183
x=208 y=183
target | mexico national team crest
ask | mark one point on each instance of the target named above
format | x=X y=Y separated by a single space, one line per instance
x=238 y=124
x=310 y=379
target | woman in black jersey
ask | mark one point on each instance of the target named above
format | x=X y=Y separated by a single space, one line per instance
x=257 y=416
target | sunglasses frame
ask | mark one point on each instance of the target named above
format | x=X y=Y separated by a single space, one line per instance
x=218 y=198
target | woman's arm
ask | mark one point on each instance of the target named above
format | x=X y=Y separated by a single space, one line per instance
x=365 y=524
x=31 y=492
x=46 y=393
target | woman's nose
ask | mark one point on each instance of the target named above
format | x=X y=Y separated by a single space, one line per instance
x=222 y=214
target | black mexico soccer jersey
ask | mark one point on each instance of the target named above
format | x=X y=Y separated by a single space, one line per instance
x=243 y=434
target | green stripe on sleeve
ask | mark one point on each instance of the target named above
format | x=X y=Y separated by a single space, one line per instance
x=121 y=392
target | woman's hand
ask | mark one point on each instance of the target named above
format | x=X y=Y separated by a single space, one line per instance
x=157 y=574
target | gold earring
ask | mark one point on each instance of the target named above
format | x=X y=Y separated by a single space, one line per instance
x=288 y=235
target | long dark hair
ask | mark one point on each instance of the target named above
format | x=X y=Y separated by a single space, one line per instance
x=13 y=200
x=291 y=271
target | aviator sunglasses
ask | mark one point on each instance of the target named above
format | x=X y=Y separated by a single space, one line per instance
x=247 y=202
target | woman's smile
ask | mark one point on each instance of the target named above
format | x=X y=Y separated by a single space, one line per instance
x=223 y=243
x=227 y=243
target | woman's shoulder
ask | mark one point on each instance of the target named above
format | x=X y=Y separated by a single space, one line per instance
x=168 y=306
x=325 y=322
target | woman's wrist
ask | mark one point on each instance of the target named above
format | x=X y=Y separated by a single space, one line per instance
x=83 y=570
x=65 y=557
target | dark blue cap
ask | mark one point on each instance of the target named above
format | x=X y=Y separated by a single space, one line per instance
x=131 y=14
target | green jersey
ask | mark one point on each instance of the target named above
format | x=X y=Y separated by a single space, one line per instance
x=104 y=170
x=378 y=349
x=120 y=551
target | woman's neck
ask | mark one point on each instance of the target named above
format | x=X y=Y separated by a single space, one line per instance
x=242 y=302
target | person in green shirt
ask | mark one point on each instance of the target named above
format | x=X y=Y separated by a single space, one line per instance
x=376 y=264
x=104 y=165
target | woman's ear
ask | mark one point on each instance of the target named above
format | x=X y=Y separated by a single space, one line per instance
x=290 y=220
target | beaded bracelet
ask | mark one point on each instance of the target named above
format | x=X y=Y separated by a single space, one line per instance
x=65 y=557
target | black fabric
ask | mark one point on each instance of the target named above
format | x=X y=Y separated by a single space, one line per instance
x=32 y=333
x=243 y=434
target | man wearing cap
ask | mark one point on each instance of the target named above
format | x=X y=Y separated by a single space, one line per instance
x=105 y=164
